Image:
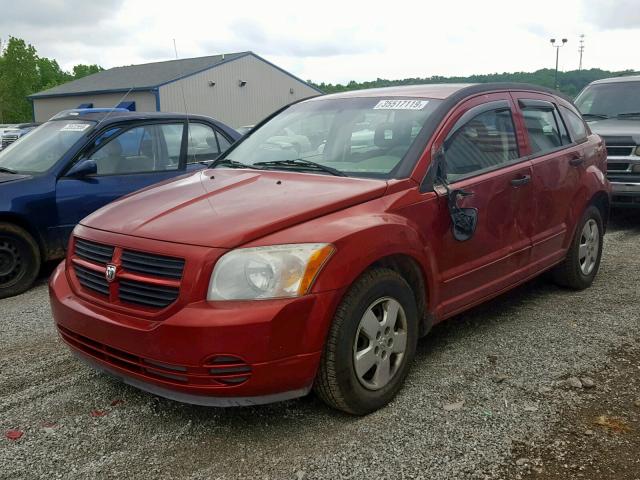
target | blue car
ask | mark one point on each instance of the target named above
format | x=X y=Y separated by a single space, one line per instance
x=81 y=160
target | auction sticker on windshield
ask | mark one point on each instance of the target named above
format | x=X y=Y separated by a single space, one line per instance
x=75 y=127
x=400 y=104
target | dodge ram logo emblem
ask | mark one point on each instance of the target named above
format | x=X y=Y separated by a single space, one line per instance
x=110 y=273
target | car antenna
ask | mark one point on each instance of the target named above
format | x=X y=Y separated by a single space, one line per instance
x=184 y=98
x=113 y=109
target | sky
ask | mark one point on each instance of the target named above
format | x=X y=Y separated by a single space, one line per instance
x=336 y=41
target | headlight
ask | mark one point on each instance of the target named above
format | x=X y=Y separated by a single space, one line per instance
x=637 y=151
x=268 y=272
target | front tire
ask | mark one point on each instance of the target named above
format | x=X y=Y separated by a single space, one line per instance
x=19 y=260
x=579 y=268
x=370 y=345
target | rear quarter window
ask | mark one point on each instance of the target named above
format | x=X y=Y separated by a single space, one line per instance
x=575 y=124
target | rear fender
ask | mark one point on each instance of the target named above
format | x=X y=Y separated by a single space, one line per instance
x=594 y=183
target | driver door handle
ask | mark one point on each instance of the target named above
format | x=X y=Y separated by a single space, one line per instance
x=520 y=181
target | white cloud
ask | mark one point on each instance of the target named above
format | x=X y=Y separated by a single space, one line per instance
x=339 y=40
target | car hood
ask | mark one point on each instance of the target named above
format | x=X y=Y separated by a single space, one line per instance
x=226 y=208
x=613 y=128
x=11 y=177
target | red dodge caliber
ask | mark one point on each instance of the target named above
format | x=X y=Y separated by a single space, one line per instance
x=316 y=251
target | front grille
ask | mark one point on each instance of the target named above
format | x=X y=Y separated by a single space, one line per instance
x=93 y=252
x=145 y=280
x=149 y=264
x=236 y=372
x=147 y=294
x=617 y=167
x=8 y=140
x=92 y=280
x=616 y=151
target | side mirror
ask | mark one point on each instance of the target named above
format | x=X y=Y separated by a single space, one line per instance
x=83 y=168
x=463 y=220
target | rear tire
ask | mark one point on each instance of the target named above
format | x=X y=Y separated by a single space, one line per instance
x=582 y=262
x=19 y=260
x=370 y=345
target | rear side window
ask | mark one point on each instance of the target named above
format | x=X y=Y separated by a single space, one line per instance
x=223 y=142
x=545 y=127
x=202 y=143
x=575 y=124
x=483 y=143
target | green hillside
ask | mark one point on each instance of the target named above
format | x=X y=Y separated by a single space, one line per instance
x=570 y=82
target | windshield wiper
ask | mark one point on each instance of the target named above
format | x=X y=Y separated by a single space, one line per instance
x=629 y=114
x=301 y=162
x=595 y=115
x=7 y=170
x=227 y=162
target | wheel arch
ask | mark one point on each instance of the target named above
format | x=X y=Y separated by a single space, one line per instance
x=603 y=202
x=391 y=245
x=411 y=270
x=20 y=221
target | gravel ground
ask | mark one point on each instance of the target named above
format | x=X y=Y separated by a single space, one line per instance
x=482 y=384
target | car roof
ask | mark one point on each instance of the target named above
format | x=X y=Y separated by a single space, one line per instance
x=123 y=116
x=438 y=91
x=628 y=78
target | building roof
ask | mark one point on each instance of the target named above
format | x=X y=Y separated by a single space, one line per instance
x=146 y=76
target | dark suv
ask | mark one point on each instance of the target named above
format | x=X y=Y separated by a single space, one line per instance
x=612 y=108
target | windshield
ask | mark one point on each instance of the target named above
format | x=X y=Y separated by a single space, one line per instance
x=41 y=148
x=610 y=99
x=348 y=136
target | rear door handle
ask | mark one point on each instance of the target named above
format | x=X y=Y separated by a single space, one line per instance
x=520 y=181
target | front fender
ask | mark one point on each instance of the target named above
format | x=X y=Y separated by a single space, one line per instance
x=362 y=236
x=381 y=237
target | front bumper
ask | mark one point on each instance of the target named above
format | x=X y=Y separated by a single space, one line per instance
x=229 y=353
x=625 y=180
x=625 y=194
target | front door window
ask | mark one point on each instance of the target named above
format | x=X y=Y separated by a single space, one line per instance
x=485 y=142
x=147 y=148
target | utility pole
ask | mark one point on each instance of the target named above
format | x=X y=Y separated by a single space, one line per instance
x=557 y=47
x=581 y=50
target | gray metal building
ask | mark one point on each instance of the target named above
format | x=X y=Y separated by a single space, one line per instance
x=237 y=89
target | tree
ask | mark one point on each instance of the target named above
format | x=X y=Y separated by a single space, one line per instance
x=81 y=70
x=569 y=83
x=23 y=72
x=18 y=78
x=50 y=74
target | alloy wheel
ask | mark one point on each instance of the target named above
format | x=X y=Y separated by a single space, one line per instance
x=589 y=249
x=380 y=343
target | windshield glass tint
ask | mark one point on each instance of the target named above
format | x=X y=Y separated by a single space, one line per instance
x=610 y=99
x=41 y=148
x=356 y=136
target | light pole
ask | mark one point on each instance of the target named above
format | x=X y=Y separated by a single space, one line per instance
x=557 y=47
